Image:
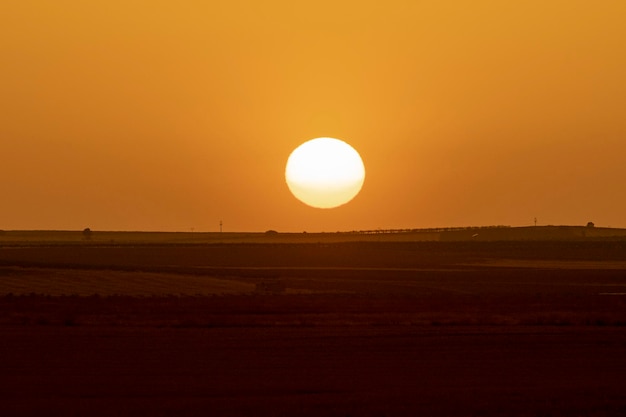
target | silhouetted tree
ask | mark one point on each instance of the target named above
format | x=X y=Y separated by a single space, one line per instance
x=87 y=233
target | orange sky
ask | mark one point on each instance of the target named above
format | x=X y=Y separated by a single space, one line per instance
x=162 y=115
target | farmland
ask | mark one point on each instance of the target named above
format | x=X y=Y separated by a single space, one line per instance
x=145 y=324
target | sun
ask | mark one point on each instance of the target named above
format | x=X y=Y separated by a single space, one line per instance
x=325 y=172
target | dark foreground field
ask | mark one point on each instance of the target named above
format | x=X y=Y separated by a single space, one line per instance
x=342 y=329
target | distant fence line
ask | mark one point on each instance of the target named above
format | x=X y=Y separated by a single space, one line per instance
x=425 y=230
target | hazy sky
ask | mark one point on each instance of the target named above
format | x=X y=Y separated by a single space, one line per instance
x=172 y=115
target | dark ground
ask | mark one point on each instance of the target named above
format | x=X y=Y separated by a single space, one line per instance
x=376 y=329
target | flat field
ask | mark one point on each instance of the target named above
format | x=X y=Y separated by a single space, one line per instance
x=325 y=328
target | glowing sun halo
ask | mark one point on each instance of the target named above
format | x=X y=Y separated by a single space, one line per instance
x=325 y=172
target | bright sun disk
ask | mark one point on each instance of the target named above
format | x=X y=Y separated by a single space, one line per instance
x=325 y=172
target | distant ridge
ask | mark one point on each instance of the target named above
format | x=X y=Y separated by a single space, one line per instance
x=428 y=229
x=445 y=234
x=508 y=233
x=538 y=233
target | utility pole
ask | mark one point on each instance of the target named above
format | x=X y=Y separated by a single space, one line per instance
x=220 y=226
x=535 y=222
